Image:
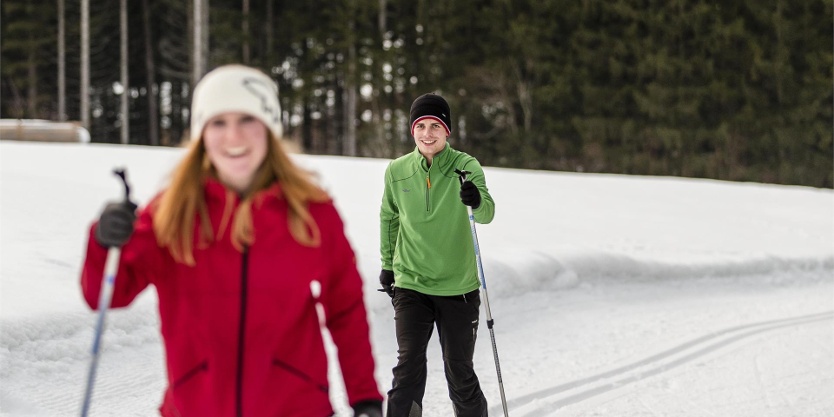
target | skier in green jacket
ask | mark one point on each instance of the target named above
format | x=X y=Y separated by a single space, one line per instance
x=428 y=261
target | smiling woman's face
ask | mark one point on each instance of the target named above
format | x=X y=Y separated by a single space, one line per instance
x=236 y=145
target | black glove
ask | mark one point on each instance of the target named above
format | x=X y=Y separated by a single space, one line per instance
x=386 y=279
x=115 y=224
x=369 y=408
x=470 y=195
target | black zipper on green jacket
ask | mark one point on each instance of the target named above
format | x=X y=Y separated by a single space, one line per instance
x=428 y=191
x=241 y=335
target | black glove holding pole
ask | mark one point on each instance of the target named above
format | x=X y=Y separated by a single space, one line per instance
x=368 y=409
x=470 y=195
x=386 y=279
x=115 y=225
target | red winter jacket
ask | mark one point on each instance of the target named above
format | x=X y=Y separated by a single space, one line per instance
x=242 y=336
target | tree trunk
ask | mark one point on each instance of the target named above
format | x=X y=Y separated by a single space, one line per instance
x=32 y=89
x=349 y=132
x=125 y=99
x=62 y=64
x=150 y=69
x=382 y=18
x=269 y=33
x=200 y=40
x=307 y=126
x=85 y=64
x=245 y=30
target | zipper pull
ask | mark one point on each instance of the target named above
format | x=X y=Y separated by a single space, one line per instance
x=428 y=181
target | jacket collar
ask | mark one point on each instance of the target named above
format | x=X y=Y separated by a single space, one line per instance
x=441 y=160
x=215 y=190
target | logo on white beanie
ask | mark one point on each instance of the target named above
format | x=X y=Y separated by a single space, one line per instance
x=238 y=89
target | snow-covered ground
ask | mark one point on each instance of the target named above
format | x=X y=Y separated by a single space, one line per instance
x=612 y=295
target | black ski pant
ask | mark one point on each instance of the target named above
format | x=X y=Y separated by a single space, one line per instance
x=456 y=318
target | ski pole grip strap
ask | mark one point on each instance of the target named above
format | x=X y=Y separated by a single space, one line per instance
x=462 y=175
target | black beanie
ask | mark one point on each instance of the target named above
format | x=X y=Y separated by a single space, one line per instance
x=433 y=106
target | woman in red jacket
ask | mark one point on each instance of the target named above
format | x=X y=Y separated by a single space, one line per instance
x=241 y=247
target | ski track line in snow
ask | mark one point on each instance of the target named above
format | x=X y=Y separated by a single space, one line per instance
x=697 y=348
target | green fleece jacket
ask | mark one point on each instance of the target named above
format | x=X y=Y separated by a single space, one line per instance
x=425 y=236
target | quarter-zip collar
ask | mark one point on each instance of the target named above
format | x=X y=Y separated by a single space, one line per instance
x=215 y=190
x=440 y=160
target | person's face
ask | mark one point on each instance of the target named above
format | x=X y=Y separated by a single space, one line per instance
x=430 y=137
x=236 y=145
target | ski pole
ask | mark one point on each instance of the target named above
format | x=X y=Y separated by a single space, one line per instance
x=490 y=322
x=111 y=267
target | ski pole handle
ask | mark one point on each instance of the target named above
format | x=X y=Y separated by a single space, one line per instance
x=462 y=175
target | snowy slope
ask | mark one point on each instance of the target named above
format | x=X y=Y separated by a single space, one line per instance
x=612 y=295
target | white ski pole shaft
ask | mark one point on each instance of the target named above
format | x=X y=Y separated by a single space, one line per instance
x=111 y=266
x=108 y=284
x=482 y=278
x=490 y=322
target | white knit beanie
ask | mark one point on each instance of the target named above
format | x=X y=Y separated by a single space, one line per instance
x=235 y=88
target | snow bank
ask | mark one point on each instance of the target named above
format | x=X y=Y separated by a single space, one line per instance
x=552 y=230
